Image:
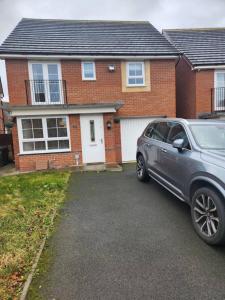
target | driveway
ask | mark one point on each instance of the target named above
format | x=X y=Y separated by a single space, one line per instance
x=122 y=239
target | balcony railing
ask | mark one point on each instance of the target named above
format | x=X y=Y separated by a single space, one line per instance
x=218 y=99
x=46 y=92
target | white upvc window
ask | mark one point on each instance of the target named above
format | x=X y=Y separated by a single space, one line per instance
x=135 y=73
x=43 y=134
x=88 y=70
x=46 y=86
x=219 y=90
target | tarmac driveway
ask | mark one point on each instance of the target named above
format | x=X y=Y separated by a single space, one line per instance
x=122 y=239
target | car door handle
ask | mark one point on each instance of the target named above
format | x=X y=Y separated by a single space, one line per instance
x=163 y=150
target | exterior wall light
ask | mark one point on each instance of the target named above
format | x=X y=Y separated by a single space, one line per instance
x=111 y=68
x=109 y=124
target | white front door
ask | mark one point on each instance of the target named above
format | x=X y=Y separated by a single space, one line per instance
x=92 y=138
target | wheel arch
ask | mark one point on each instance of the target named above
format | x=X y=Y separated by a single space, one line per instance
x=205 y=182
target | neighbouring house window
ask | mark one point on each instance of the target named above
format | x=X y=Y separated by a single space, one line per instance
x=88 y=70
x=219 y=91
x=135 y=73
x=45 y=83
x=46 y=134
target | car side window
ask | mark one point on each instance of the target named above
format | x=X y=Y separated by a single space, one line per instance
x=149 y=130
x=177 y=132
x=160 y=131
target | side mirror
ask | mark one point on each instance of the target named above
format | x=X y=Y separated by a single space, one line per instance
x=178 y=144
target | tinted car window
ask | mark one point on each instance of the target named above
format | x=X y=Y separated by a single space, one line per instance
x=177 y=132
x=160 y=131
x=149 y=130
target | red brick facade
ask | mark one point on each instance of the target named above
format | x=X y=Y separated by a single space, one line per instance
x=193 y=90
x=160 y=100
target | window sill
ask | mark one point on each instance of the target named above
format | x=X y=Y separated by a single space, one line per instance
x=136 y=85
x=44 y=152
x=88 y=79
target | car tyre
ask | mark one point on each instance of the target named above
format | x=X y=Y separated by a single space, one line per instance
x=208 y=215
x=141 y=171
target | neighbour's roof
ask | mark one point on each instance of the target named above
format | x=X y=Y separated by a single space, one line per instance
x=201 y=46
x=71 y=37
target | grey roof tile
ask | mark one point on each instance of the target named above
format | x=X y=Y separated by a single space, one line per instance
x=70 y=37
x=203 y=46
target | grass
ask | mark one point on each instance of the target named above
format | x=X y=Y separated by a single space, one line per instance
x=27 y=203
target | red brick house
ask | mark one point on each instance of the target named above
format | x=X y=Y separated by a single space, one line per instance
x=200 y=72
x=82 y=91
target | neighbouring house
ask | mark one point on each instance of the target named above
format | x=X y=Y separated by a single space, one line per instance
x=2 y=126
x=81 y=92
x=200 y=72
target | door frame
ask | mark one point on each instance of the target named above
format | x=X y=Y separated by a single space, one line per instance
x=83 y=145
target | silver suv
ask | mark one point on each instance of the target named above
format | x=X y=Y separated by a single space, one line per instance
x=187 y=157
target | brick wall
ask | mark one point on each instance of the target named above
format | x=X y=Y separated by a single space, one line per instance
x=185 y=90
x=17 y=73
x=193 y=90
x=204 y=83
x=107 y=88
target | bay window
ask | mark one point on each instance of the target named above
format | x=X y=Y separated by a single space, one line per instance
x=43 y=134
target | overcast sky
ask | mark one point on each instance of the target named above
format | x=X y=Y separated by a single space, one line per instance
x=161 y=13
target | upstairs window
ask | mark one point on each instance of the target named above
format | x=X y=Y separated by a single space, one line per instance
x=88 y=70
x=135 y=73
x=45 y=83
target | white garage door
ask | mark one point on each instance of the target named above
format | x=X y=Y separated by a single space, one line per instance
x=131 y=129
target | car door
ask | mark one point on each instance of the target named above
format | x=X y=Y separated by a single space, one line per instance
x=153 y=148
x=175 y=163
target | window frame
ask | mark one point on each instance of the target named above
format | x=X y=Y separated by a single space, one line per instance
x=45 y=135
x=154 y=124
x=127 y=73
x=83 y=73
x=182 y=125
x=45 y=64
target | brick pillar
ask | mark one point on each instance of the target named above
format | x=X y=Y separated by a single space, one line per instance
x=110 y=140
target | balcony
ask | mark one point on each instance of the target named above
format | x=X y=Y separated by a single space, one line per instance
x=218 y=99
x=46 y=92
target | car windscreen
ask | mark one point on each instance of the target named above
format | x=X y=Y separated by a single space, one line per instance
x=209 y=136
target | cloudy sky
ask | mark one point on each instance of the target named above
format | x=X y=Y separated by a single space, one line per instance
x=161 y=13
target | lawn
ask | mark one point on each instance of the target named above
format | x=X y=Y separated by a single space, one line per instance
x=27 y=204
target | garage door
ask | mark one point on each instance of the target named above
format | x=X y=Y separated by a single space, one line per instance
x=131 y=129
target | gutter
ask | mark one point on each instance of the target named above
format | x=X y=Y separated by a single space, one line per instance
x=37 y=56
x=208 y=67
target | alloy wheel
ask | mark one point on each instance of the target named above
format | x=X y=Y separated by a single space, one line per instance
x=206 y=215
x=140 y=167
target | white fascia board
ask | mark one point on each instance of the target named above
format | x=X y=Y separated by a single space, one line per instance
x=209 y=67
x=19 y=112
x=87 y=57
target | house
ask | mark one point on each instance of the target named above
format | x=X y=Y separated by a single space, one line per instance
x=200 y=72
x=81 y=92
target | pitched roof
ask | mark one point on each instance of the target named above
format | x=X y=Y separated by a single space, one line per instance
x=201 y=46
x=70 y=37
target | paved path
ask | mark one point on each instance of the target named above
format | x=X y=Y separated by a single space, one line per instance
x=122 y=239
